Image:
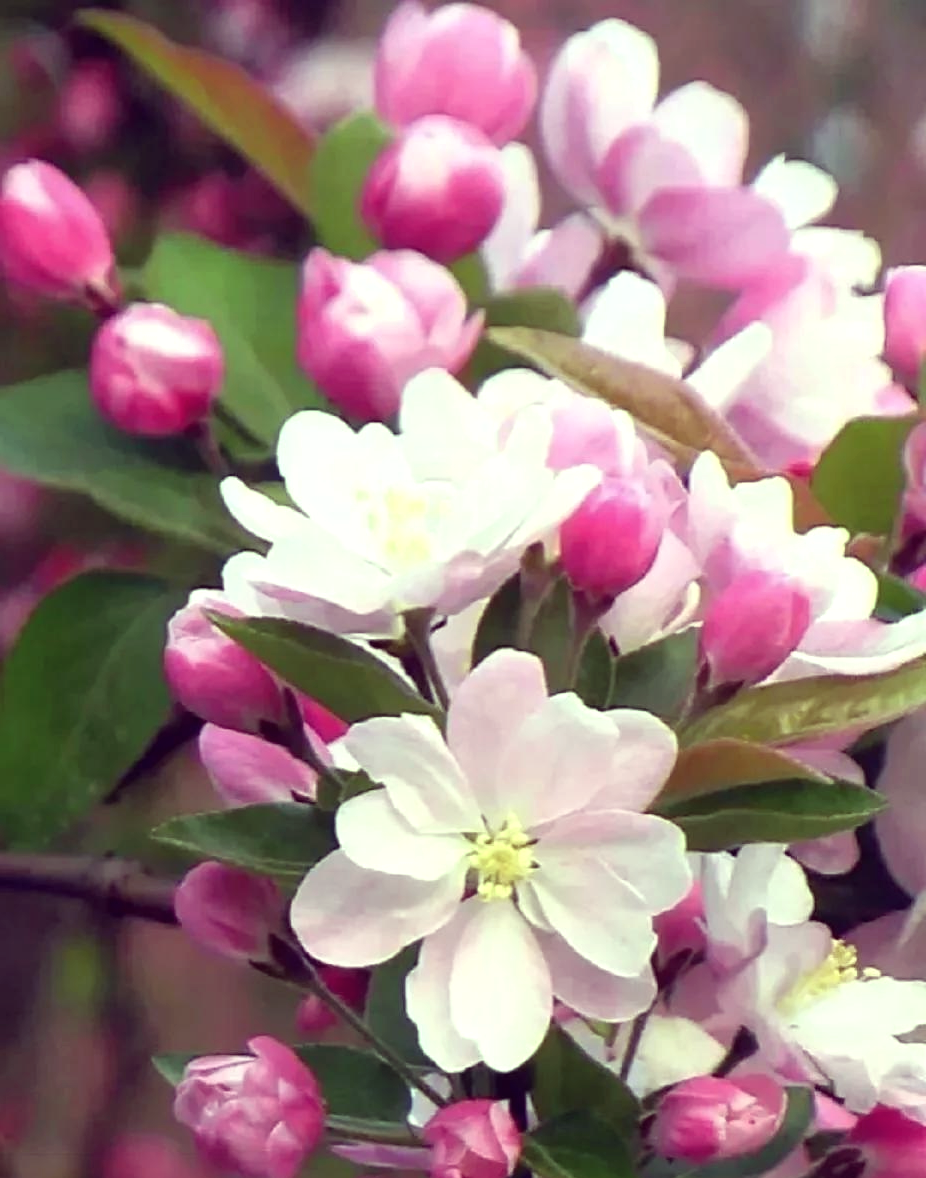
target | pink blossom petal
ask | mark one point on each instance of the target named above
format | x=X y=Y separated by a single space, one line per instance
x=711 y=125
x=643 y=760
x=344 y=915
x=427 y=992
x=722 y=236
x=591 y=991
x=834 y=854
x=564 y=256
x=500 y=990
x=901 y=829
x=423 y=781
x=375 y=836
x=641 y=163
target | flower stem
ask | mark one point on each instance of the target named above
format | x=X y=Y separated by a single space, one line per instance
x=418 y=633
x=633 y=1043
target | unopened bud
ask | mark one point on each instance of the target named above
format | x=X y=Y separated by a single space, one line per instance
x=228 y=910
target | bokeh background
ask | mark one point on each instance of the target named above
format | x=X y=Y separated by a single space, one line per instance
x=84 y=999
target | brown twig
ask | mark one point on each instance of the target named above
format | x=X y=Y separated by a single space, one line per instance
x=119 y=887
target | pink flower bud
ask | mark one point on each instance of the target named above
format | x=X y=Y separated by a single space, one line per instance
x=682 y=927
x=473 y=1139
x=439 y=188
x=752 y=626
x=365 y=330
x=155 y=372
x=706 y=1118
x=246 y=770
x=351 y=985
x=892 y=1145
x=52 y=240
x=460 y=60
x=918 y=578
x=90 y=105
x=257 y=1115
x=228 y=910
x=914 y=461
x=611 y=541
x=905 y=321
x=212 y=676
x=326 y=725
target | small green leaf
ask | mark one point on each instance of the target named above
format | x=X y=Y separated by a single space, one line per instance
x=281 y=839
x=795 y=1125
x=340 y=166
x=386 y=1008
x=800 y=709
x=356 y=1084
x=498 y=625
x=567 y=1079
x=897 y=598
x=776 y=812
x=171 y=1065
x=83 y=697
x=470 y=272
x=721 y=764
x=238 y=109
x=540 y=306
x=51 y=433
x=577 y=1145
x=859 y=477
x=340 y=675
x=250 y=303
x=657 y=678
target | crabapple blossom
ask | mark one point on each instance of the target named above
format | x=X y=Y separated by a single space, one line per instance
x=461 y=60
x=438 y=189
x=52 y=241
x=245 y=769
x=905 y=321
x=227 y=910
x=520 y=839
x=472 y=1139
x=706 y=1118
x=366 y=329
x=257 y=1115
x=154 y=372
x=435 y=517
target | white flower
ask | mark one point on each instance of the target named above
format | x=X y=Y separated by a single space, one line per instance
x=517 y=851
x=434 y=517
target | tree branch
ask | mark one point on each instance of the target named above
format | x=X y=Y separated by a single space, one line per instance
x=117 y=886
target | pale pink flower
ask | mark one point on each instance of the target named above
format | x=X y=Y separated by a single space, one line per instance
x=472 y=1139
x=534 y=803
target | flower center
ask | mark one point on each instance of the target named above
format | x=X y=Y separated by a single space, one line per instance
x=502 y=859
x=839 y=967
x=407 y=523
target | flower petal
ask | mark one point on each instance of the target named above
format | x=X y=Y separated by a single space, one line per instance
x=344 y=915
x=445 y=432
x=500 y=991
x=643 y=760
x=375 y=836
x=591 y=991
x=258 y=513
x=427 y=994
x=711 y=125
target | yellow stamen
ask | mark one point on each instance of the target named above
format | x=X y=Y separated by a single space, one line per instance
x=502 y=859
x=839 y=967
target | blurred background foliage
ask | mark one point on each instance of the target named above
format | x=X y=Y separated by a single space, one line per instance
x=84 y=1002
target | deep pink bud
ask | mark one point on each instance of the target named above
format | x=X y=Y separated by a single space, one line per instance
x=258 y=1115
x=324 y=723
x=366 y=329
x=212 y=676
x=892 y=1145
x=246 y=770
x=905 y=321
x=90 y=105
x=460 y=60
x=228 y=910
x=473 y=1139
x=682 y=927
x=155 y=372
x=439 y=188
x=918 y=578
x=351 y=985
x=52 y=240
x=611 y=541
x=752 y=626
x=706 y=1118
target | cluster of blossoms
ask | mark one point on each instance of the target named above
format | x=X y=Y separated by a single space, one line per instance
x=508 y=821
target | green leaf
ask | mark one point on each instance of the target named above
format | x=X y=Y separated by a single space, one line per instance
x=251 y=304
x=859 y=477
x=783 y=713
x=540 y=306
x=282 y=839
x=577 y=1145
x=170 y=1065
x=897 y=598
x=340 y=166
x=721 y=764
x=471 y=273
x=567 y=1079
x=795 y=1124
x=83 y=696
x=51 y=433
x=341 y=676
x=233 y=105
x=356 y=1084
x=657 y=678
x=385 y=1012
x=775 y=812
x=498 y=625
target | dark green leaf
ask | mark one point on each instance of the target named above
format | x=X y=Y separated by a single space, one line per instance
x=470 y=272
x=897 y=598
x=540 y=306
x=567 y=1079
x=356 y=1084
x=657 y=678
x=83 y=696
x=577 y=1145
x=783 y=713
x=859 y=476
x=385 y=1009
x=171 y=1065
x=251 y=303
x=777 y=812
x=51 y=433
x=282 y=839
x=498 y=625
x=340 y=166
x=238 y=109
x=795 y=1125
x=340 y=675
